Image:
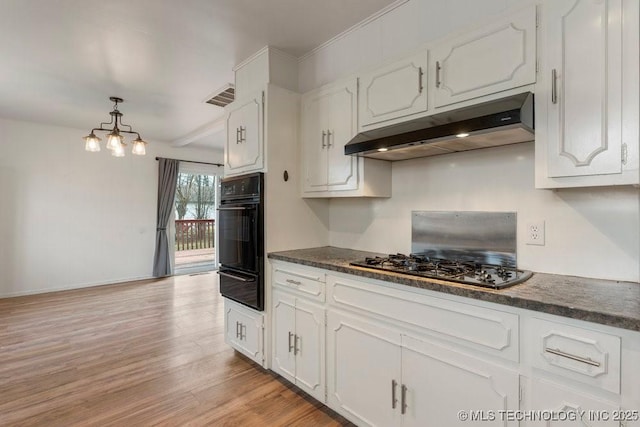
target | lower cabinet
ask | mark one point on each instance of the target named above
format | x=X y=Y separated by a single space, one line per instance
x=381 y=377
x=244 y=330
x=570 y=406
x=299 y=342
x=383 y=355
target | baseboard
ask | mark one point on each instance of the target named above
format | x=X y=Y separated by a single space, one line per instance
x=72 y=287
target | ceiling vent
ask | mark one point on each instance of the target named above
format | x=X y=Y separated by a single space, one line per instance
x=223 y=97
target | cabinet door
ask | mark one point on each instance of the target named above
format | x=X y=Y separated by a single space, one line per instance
x=589 y=410
x=363 y=360
x=315 y=123
x=243 y=331
x=440 y=382
x=244 y=150
x=284 y=329
x=583 y=64
x=342 y=169
x=393 y=91
x=309 y=348
x=492 y=59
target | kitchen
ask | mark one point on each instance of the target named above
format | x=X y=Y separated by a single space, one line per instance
x=590 y=231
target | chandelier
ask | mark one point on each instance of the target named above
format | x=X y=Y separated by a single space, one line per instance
x=115 y=141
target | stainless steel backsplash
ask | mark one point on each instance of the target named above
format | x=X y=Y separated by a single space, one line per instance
x=484 y=237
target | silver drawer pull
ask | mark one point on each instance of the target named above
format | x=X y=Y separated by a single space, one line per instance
x=294 y=282
x=561 y=353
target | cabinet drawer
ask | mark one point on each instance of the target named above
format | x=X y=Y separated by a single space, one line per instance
x=491 y=331
x=590 y=357
x=308 y=282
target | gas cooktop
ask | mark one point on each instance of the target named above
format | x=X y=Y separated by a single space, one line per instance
x=470 y=273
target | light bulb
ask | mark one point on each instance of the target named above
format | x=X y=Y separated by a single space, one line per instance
x=462 y=135
x=118 y=151
x=139 y=147
x=92 y=143
x=114 y=139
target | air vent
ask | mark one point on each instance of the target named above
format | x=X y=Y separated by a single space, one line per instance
x=223 y=97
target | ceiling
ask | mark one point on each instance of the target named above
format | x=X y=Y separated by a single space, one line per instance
x=62 y=59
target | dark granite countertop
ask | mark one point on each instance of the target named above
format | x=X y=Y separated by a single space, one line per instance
x=600 y=301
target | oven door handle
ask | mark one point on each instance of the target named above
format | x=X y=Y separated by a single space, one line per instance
x=237 y=208
x=233 y=276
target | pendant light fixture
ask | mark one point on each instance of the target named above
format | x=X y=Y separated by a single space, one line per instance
x=115 y=141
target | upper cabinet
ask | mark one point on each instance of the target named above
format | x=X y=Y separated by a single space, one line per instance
x=329 y=121
x=244 y=149
x=587 y=94
x=393 y=91
x=494 y=58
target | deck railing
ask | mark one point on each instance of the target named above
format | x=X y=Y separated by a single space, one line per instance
x=194 y=234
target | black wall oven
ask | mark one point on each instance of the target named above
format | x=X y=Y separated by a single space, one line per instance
x=241 y=239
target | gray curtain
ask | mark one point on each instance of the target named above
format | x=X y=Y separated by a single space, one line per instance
x=167 y=182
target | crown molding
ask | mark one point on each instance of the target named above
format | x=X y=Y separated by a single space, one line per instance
x=354 y=28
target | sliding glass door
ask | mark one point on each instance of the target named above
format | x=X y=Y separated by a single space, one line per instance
x=195 y=218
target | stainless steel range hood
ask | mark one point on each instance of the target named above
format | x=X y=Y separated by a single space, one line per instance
x=501 y=122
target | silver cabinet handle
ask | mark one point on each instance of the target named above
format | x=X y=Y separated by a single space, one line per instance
x=324 y=134
x=329 y=144
x=237 y=329
x=290 y=345
x=296 y=349
x=243 y=134
x=237 y=135
x=554 y=86
x=294 y=282
x=243 y=331
x=438 y=73
x=403 y=399
x=393 y=394
x=233 y=276
x=420 y=80
x=561 y=353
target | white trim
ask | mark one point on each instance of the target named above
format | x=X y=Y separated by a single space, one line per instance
x=269 y=49
x=357 y=26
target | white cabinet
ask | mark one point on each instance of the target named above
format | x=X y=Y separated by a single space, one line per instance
x=329 y=121
x=244 y=330
x=363 y=370
x=580 y=409
x=393 y=91
x=380 y=377
x=244 y=149
x=495 y=58
x=438 y=382
x=298 y=342
x=587 y=94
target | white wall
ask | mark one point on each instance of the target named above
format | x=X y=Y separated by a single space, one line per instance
x=589 y=232
x=69 y=218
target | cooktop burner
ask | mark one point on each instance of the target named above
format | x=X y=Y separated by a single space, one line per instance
x=471 y=273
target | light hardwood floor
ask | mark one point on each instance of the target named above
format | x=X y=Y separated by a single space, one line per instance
x=137 y=354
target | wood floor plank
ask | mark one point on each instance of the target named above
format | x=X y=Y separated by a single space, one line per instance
x=145 y=353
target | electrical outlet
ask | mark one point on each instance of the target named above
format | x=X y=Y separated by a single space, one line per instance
x=535 y=233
